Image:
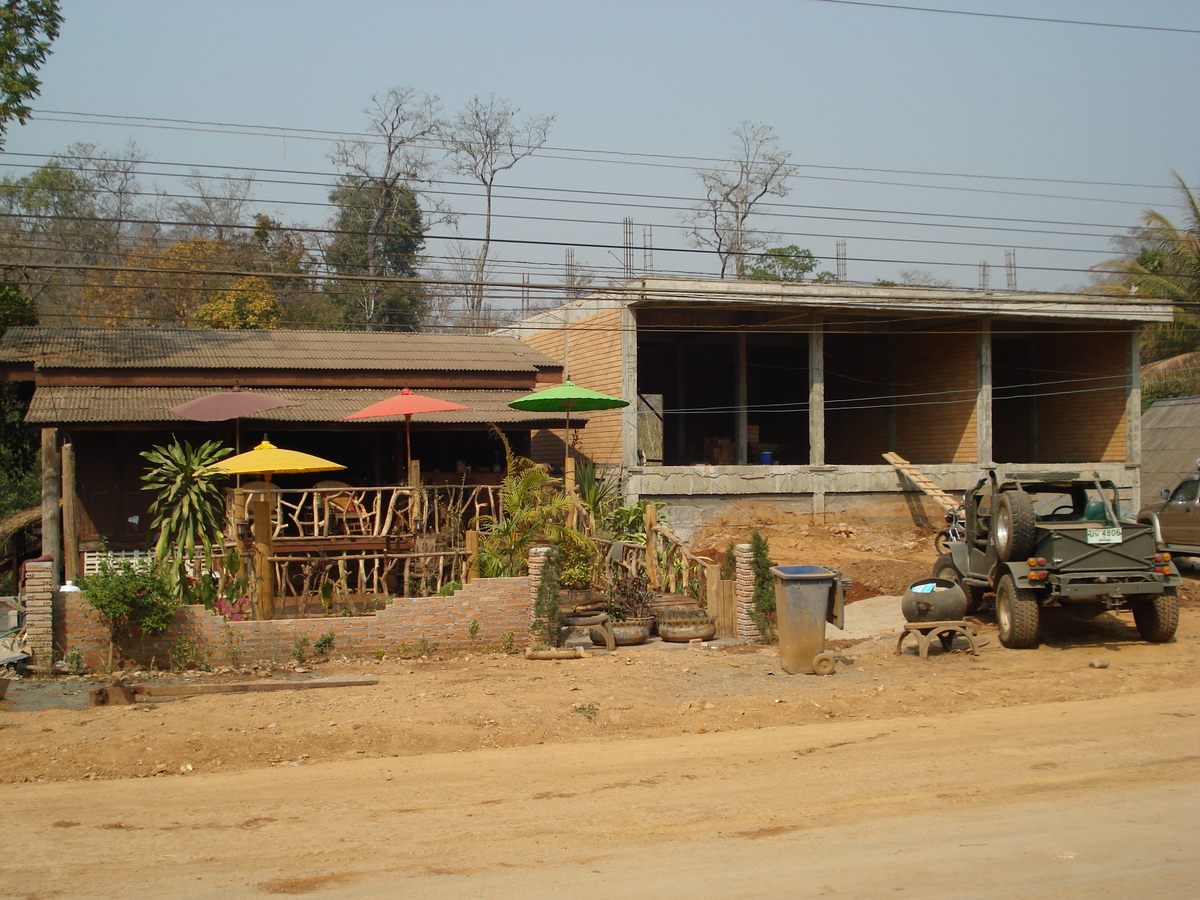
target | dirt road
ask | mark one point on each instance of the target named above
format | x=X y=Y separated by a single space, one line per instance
x=658 y=771
x=1084 y=798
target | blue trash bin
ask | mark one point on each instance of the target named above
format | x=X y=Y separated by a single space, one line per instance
x=806 y=597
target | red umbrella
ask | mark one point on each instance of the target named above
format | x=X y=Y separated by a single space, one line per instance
x=406 y=404
x=231 y=404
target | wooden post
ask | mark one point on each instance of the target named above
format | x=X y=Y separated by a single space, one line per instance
x=414 y=473
x=52 y=503
x=471 y=544
x=70 y=524
x=652 y=546
x=569 y=475
x=264 y=569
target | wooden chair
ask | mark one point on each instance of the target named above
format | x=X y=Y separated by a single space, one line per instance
x=342 y=507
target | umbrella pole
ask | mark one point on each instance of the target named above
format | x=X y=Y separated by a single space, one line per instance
x=264 y=569
x=568 y=463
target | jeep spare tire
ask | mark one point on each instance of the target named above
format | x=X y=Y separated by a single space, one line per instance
x=1014 y=525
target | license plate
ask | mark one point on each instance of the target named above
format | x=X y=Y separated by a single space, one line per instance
x=1104 y=535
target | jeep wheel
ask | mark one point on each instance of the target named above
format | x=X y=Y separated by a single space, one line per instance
x=1017 y=615
x=1157 y=619
x=945 y=569
x=1014 y=525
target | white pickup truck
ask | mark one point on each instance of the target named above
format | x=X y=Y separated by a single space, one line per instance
x=1176 y=518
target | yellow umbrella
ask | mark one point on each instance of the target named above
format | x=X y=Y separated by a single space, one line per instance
x=266 y=460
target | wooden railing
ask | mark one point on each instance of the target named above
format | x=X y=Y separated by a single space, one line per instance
x=344 y=547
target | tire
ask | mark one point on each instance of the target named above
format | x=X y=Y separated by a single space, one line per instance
x=1017 y=615
x=823 y=664
x=1157 y=619
x=941 y=542
x=945 y=569
x=1014 y=525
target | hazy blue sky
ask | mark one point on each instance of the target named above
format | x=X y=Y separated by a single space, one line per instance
x=926 y=140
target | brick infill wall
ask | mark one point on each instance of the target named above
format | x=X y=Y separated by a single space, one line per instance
x=499 y=605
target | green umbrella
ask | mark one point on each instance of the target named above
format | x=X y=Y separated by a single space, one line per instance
x=568 y=398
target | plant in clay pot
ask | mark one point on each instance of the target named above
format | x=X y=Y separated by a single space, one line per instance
x=628 y=607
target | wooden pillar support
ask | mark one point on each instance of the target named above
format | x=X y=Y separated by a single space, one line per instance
x=52 y=502
x=70 y=524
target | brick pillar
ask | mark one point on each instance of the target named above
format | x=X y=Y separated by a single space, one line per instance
x=37 y=593
x=744 y=588
x=537 y=558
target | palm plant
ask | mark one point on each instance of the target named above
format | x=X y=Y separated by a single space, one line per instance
x=1167 y=267
x=189 y=508
x=533 y=509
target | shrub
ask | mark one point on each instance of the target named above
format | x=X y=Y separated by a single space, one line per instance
x=130 y=596
x=763 y=611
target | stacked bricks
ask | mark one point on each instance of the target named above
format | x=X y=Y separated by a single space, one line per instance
x=37 y=595
x=500 y=606
x=744 y=589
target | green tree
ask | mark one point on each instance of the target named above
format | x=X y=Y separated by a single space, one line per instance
x=788 y=263
x=378 y=235
x=250 y=303
x=20 y=475
x=27 y=28
x=1165 y=265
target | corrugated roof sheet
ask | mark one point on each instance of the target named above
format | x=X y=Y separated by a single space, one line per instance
x=1170 y=444
x=191 y=348
x=84 y=404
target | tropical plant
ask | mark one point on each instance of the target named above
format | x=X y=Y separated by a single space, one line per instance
x=189 y=510
x=629 y=597
x=1166 y=266
x=597 y=494
x=628 y=523
x=130 y=595
x=533 y=509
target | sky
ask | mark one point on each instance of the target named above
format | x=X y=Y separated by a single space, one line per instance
x=928 y=141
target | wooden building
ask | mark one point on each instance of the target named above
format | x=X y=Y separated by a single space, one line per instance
x=792 y=393
x=107 y=393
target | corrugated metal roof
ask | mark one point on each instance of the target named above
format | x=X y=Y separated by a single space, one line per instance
x=58 y=404
x=1170 y=444
x=193 y=348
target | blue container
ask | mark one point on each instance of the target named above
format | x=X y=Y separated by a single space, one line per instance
x=764 y=458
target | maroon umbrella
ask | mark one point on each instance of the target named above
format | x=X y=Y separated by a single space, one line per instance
x=231 y=404
x=406 y=404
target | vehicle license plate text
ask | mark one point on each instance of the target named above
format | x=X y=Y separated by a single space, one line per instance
x=1104 y=535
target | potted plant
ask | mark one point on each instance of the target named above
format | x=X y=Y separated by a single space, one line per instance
x=628 y=607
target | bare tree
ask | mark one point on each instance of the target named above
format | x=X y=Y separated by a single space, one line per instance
x=760 y=168
x=396 y=158
x=484 y=140
x=219 y=209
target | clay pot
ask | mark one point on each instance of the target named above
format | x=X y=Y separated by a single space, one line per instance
x=627 y=632
x=681 y=625
x=934 y=600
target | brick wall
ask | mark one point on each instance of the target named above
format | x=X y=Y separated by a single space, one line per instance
x=37 y=593
x=499 y=605
x=936 y=379
x=1081 y=411
x=595 y=363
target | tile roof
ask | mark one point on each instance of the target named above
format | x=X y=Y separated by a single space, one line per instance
x=64 y=404
x=193 y=348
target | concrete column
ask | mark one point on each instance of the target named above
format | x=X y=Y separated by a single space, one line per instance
x=744 y=589
x=1133 y=418
x=983 y=397
x=629 y=387
x=741 y=426
x=816 y=395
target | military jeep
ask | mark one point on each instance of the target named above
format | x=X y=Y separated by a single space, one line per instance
x=1040 y=539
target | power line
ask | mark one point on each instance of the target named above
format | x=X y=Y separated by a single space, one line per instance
x=983 y=15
